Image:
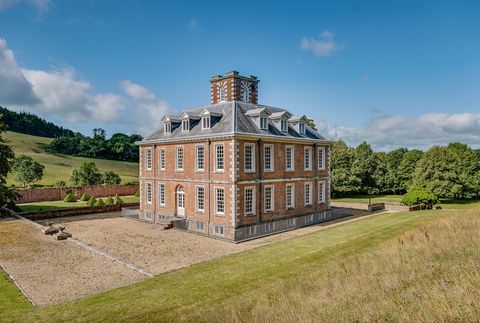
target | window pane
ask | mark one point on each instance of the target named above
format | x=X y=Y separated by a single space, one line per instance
x=219 y=158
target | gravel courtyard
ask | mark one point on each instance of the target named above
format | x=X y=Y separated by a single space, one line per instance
x=53 y=271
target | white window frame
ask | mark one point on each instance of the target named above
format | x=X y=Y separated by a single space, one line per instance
x=197 y=164
x=272 y=198
x=263 y=123
x=252 y=161
x=148 y=195
x=216 y=190
x=162 y=159
x=292 y=159
x=161 y=194
x=309 y=195
x=148 y=216
x=186 y=125
x=215 y=147
x=321 y=162
x=167 y=127
x=206 y=122
x=177 y=149
x=199 y=226
x=216 y=229
x=283 y=125
x=309 y=159
x=197 y=199
x=148 y=159
x=272 y=158
x=292 y=198
x=252 y=189
x=222 y=92
x=321 y=198
x=301 y=127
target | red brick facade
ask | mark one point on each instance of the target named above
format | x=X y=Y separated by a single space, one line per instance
x=234 y=179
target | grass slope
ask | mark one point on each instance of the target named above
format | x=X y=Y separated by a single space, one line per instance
x=59 y=167
x=396 y=267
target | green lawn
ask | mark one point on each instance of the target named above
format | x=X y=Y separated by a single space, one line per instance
x=54 y=205
x=10 y=296
x=375 y=199
x=445 y=203
x=372 y=269
x=59 y=167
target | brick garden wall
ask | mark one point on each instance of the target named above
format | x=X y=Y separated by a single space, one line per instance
x=58 y=193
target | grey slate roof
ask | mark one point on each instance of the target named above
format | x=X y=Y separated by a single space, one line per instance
x=233 y=120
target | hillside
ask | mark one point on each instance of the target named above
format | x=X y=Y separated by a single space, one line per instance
x=59 y=167
x=420 y=266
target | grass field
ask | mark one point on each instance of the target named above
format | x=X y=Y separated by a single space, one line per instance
x=446 y=203
x=54 y=205
x=391 y=267
x=59 y=167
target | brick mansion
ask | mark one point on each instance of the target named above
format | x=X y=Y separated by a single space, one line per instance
x=235 y=169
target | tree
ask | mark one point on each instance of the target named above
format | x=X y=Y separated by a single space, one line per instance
x=110 y=177
x=393 y=160
x=86 y=174
x=407 y=167
x=343 y=180
x=437 y=172
x=7 y=196
x=364 y=166
x=27 y=170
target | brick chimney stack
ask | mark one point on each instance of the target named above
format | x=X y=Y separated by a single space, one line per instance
x=233 y=86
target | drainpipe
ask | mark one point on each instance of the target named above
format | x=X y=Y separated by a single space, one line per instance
x=260 y=176
x=209 y=187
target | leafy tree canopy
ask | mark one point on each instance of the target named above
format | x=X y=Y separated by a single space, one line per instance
x=27 y=170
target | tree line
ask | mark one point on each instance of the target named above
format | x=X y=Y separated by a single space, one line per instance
x=451 y=171
x=119 y=147
x=31 y=124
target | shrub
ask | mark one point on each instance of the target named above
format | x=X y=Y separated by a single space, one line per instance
x=85 y=197
x=137 y=194
x=70 y=197
x=419 y=196
x=99 y=202
x=109 y=201
x=110 y=177
x=92 y=201
x=118 y=200
x=60 y=184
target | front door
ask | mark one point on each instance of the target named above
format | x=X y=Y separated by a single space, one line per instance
x=180 y=202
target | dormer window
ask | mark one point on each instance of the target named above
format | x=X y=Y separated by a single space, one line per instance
x=185 y=125
x=284 y=126
x=263 y=123
x=167 y=128
x=301 y=126
x=206 y=122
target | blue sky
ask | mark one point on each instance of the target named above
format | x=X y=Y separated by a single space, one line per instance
x=394 y=73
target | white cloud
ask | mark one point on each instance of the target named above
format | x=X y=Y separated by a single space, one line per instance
x=393 y=131
x=147 y=107
x=42 y=6
x=14 y=88
x=323 y=46
x=59 y=92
